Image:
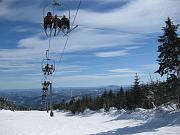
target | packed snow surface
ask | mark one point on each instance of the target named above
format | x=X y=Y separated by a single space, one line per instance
x=139 y=122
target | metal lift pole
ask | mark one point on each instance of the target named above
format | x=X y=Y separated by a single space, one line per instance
x=51 y=101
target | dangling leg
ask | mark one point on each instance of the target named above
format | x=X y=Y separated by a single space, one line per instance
x=63 y=28
x=55 y=26
x=55 y=29
x=59 y=29
x=68 y=26
x=50 y=27
x=45 y=28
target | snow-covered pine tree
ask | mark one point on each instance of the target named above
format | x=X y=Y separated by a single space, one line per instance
x=169 y=51
x=136 y=91
x=169 y=57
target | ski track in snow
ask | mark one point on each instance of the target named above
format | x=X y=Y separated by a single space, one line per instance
x=139 y=122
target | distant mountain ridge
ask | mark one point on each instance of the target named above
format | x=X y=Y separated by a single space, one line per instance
x=32 y=97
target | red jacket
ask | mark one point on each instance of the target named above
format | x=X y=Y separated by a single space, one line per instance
x=48 y=19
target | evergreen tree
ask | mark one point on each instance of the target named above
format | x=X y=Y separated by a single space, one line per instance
x=8 y=105
x=136 y=85
x=136 y=91
x=120 y=99
x=169 y=59
x=169 y=51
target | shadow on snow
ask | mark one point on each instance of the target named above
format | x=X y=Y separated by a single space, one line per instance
x=155 y=120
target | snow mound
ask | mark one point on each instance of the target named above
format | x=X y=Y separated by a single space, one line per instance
x=115 y=122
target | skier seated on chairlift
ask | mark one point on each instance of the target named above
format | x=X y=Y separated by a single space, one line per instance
x=56 y=23
x=45 y=86
x=51 y=69
x=65 y=24
x=48 y=69
x=48 y=20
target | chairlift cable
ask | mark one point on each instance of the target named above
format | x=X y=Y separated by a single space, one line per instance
x=65 y=45
x=113 y=30
x=63 y=51
x=77 y=12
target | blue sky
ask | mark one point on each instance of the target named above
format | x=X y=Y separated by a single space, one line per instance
x=115 y=39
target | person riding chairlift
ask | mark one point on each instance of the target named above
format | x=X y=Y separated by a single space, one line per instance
x=48 y=20
x=48 y=69
x=45 y=86
x=56 y=23
x=65 y=24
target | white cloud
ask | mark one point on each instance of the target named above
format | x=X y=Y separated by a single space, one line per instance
x=94 y=80
x=82 y=39
x=132 y=47
x=20 y=54
x=15 y=67
x=149 y=67
x=123 y=70
x=21 y=29
x=116 y=53
x=112 y=54
x=109 y=1
x=28 y=13
x=137 y=16
x=4 y=9
x=19 y=60
x=64 y=69
x=67 y=81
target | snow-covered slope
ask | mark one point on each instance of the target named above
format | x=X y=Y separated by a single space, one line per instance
x=141 y=122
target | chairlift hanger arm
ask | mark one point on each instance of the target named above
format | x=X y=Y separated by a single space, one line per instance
x=53 y=4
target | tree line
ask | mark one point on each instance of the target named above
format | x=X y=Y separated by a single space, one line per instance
x=9 y=105
x=146 y=96
x=149 y=95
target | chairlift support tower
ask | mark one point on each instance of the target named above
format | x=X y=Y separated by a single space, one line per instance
x=48 y=68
